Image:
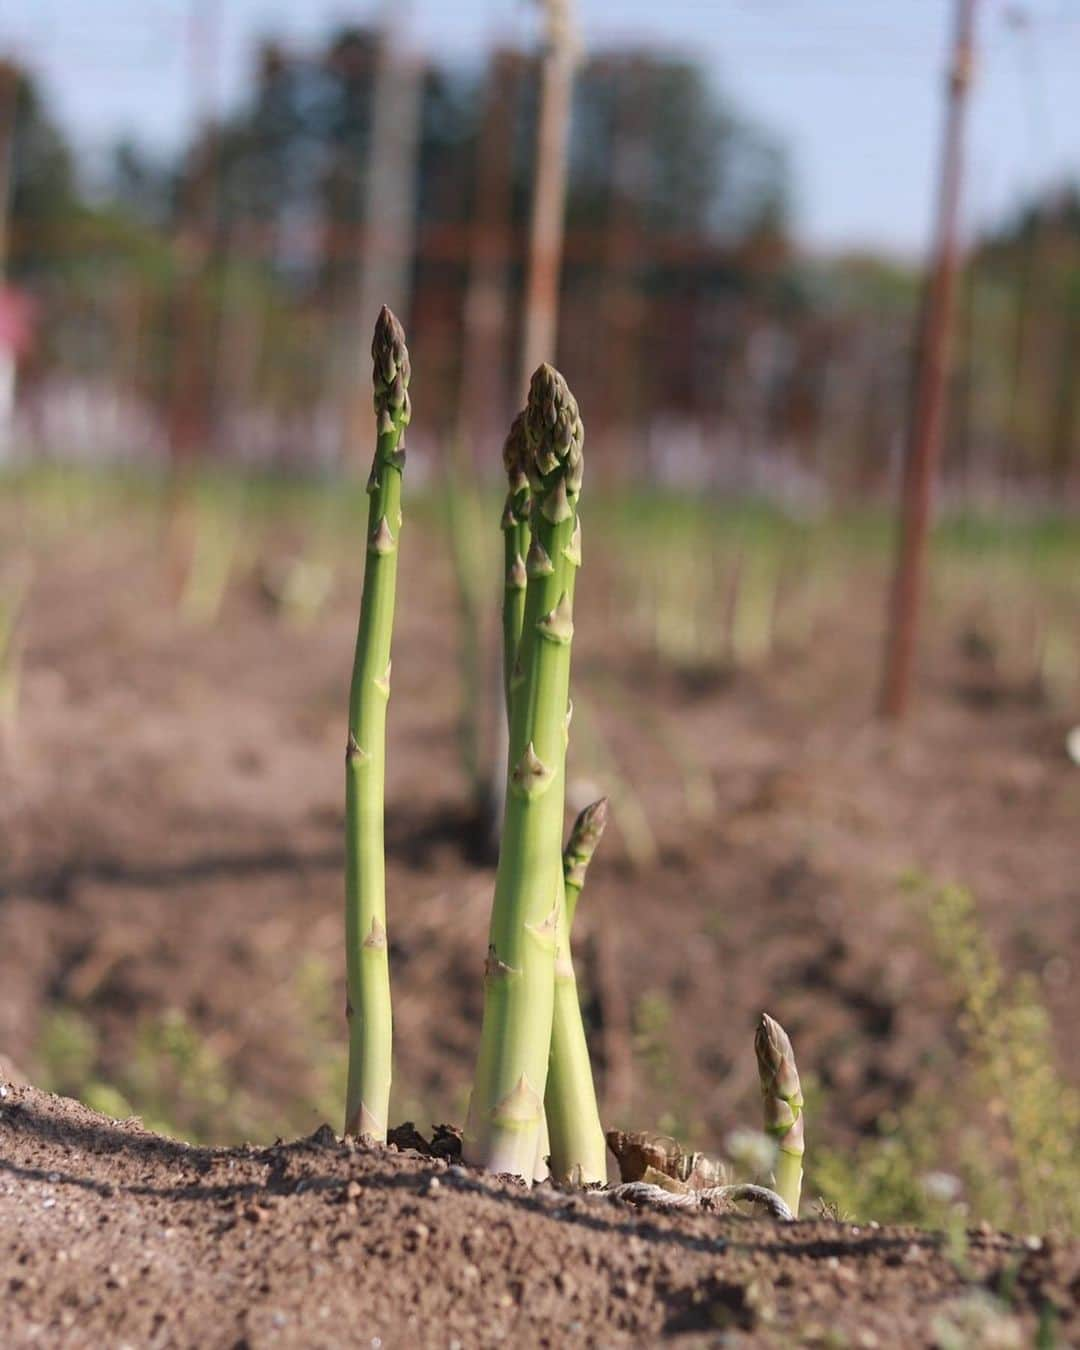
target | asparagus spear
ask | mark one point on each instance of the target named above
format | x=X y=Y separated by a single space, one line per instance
x=368 y=970
x=516 y=534
x=576 y=1136
x=583 y=842
x=783 y=1102
x=506 y=1108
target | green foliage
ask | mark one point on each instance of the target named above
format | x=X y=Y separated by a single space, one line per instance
x=1012 y=1123
x=652 y=1042
x=11 y=601
x=327 y=1056
x=174 y=1080
x=1013 y=1069
x=179 y=1084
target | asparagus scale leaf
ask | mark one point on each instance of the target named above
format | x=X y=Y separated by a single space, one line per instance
x=367 y=957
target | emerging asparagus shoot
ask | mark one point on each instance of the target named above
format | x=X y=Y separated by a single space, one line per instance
x=577 y=855
x=505 y=1112
x=782 y=1100
x=367 y=961
x=576 y=1136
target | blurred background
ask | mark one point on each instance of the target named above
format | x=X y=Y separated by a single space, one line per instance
x=206 y=202
x=779 y=250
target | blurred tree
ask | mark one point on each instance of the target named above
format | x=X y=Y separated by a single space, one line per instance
x=41 y=189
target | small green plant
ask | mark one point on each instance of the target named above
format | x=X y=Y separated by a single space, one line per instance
x=11 y=607
x=172 y=1078
x=1012 y=1127
x=1013 y=1068
x=214 y=550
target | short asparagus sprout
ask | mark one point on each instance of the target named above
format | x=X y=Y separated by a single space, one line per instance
x=783 y=1105
x=367 y=958
x=575 y=1135
x=506 y=1108
x=584 y=840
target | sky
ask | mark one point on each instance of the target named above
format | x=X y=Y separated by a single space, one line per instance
x=853 y=88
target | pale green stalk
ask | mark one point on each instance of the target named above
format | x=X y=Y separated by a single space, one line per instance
x=367 y=963
x=782 y=1100
x=578 y=1149
x=506 y=1108
x=463 y=527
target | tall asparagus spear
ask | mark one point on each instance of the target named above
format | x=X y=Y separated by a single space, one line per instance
x=576 y=1137
x=516 y=533
x=506 y=1108
x=783 y=1103
x=367 y=964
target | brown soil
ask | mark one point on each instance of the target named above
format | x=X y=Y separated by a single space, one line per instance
x=170 y=808
x=116 y=1236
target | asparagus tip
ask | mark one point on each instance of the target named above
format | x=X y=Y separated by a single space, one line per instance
x=779 y=1076
x=391 y=371
x=554 y=433
x=516 y=454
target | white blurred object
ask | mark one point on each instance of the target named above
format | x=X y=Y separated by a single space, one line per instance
x=1072 y=745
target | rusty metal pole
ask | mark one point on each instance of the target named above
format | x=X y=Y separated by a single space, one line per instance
x=929 y=396
x=549 y=190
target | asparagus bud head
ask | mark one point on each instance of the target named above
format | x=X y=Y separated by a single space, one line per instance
x=391 y=373
x=555 y=438
x=782 y=1102
x=515 y=462
x=584 y=839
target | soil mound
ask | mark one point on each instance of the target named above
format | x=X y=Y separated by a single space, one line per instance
x=116 y=1236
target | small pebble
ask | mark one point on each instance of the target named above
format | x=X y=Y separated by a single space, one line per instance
x=1033 y=1243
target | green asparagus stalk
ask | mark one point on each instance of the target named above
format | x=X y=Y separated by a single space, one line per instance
x=506 y=1109
x=367 y=963
x=516 y=536
x=783 y=1103
x=577 y=1145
